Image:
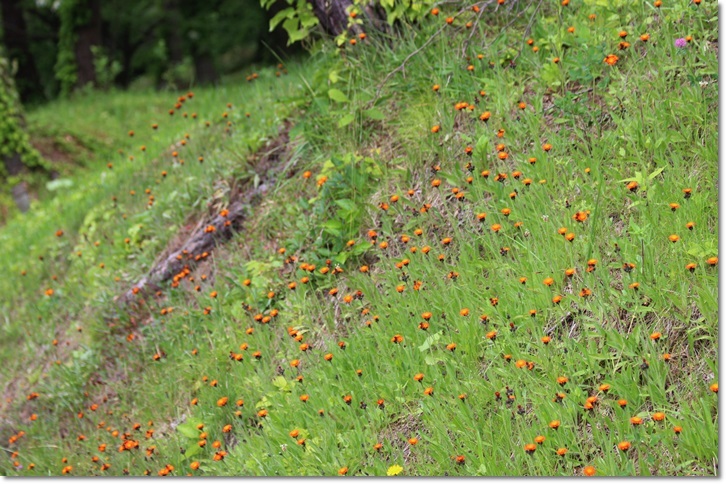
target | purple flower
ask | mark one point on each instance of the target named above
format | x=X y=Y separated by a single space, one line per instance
x=681 y=43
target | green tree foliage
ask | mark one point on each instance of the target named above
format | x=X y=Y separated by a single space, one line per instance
x=340 y=18
x=16 y=153
x=72 y=15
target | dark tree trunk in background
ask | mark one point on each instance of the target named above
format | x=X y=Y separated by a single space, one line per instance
x=331 y=14
x=15 y=37
x=172 y=32
x=88 y=35
x=204 y=70
x=334 y=19
x=124 y=78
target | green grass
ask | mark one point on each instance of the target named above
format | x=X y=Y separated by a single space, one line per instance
x=650 y=118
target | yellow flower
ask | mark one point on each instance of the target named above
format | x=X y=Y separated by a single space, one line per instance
x=394 y=470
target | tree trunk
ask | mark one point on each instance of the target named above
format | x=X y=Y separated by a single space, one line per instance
x=88 y=35
x=15 y=37
x=204 y=69
x=172 y=32
x=331 y=14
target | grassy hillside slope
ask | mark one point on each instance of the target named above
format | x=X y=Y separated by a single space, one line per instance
x=499 y=260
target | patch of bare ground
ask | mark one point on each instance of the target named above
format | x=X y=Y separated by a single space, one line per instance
x=399 y=431
x=53 y=150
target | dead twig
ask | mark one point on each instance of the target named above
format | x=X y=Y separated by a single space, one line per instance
x=465 y=45
x=527 y=30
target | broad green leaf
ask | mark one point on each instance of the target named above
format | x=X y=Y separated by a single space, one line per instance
x=430 y=341
x=193 y=449
x=656 y=173
x=359 y=249
x=346 y=204
x=338 y=96
x=280 y=16
x=374 y=113
x=189 y=428
x=346 y=120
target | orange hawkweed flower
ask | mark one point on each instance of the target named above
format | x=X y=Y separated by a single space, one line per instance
x=343 y=471
x=624 y=446
x=712 y=261
x=418 y=377
x=530 y=448
x=658 y=416
x=714 y=387
x=611 y=59
x=561 y=451
x=589 y=471
x=580 y=216
x=636 y=421
x=413 y=441
x=673 y=238
x=555 y=424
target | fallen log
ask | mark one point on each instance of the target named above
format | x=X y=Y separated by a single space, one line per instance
x=215 y=230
